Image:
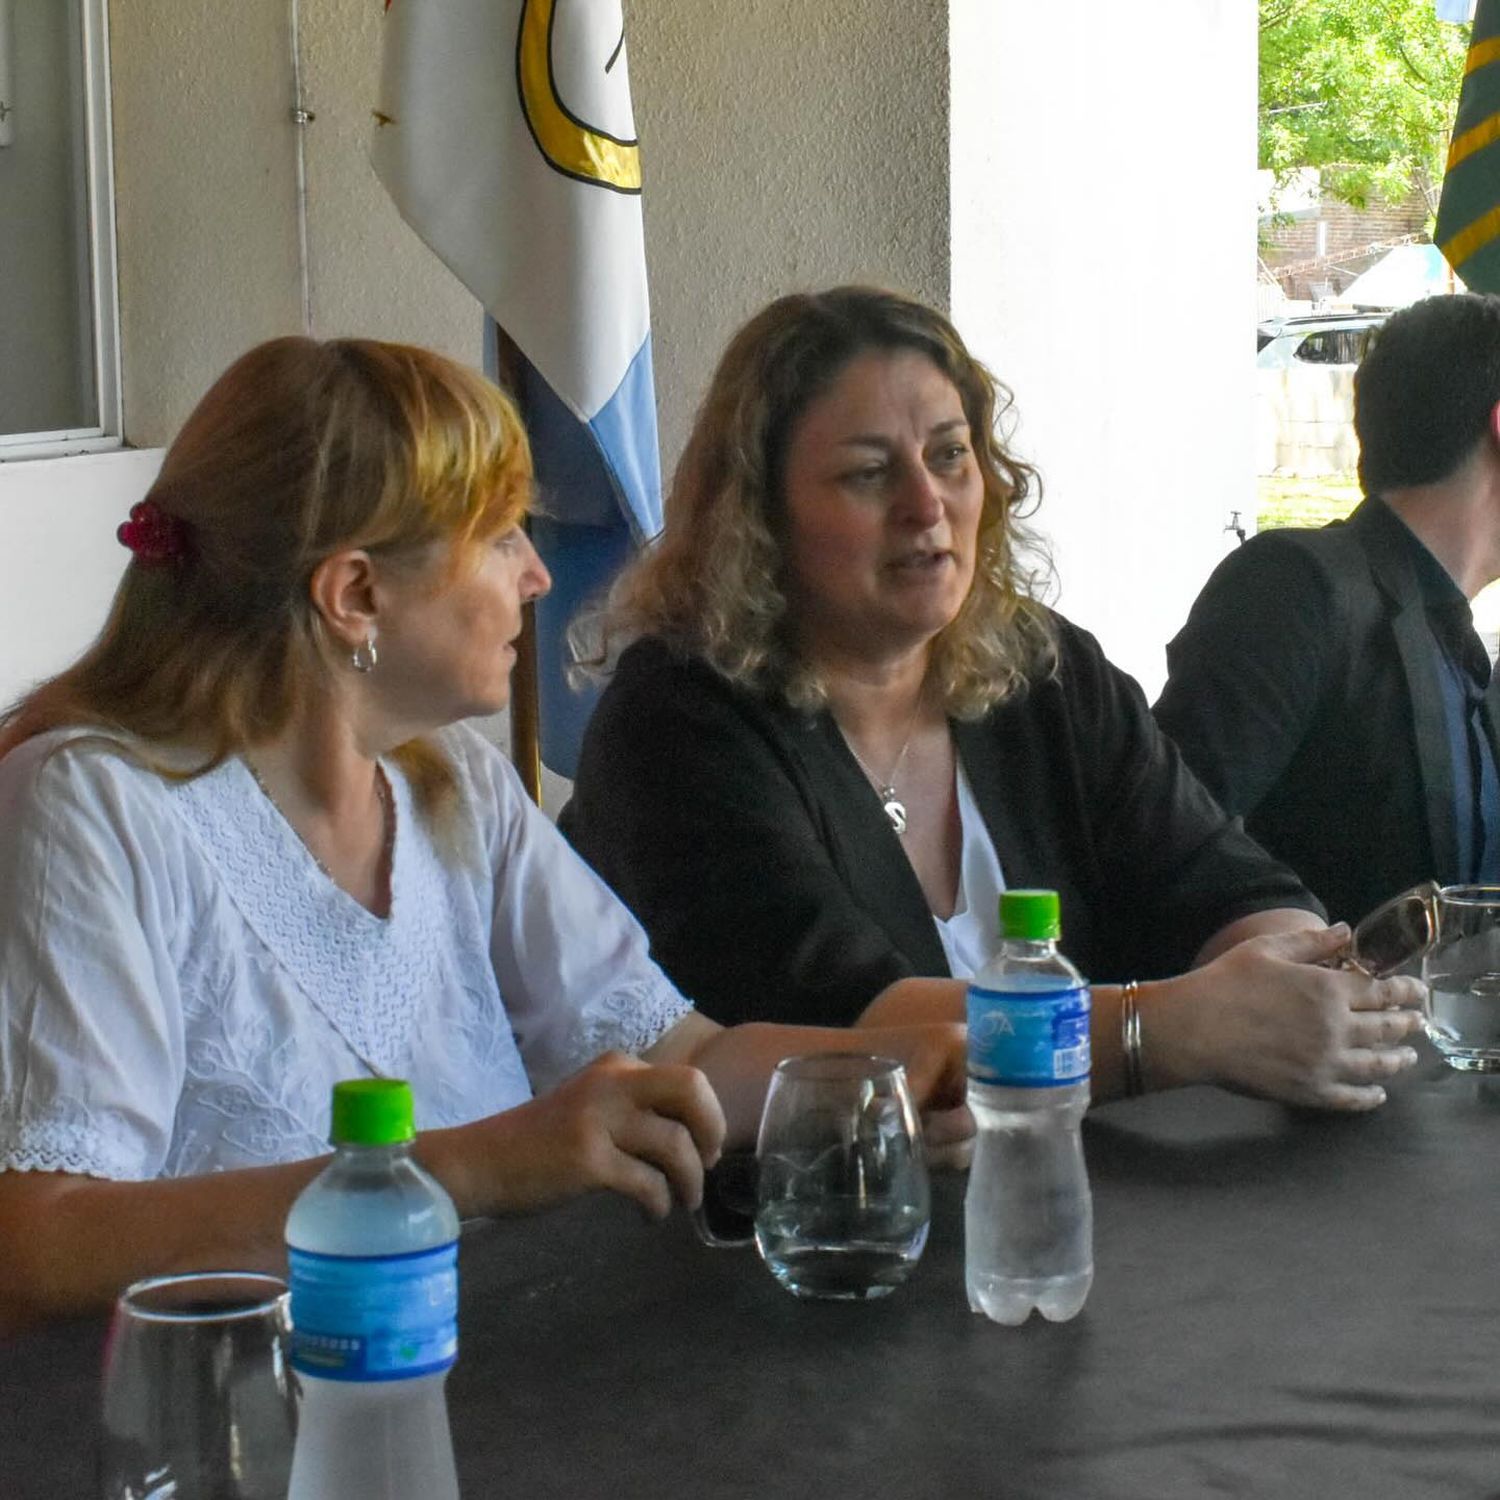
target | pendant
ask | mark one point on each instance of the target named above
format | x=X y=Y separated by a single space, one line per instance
x=893 y=807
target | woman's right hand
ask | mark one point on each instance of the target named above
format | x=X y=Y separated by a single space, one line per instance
x=935 y=1055
x=1267 y=1017
x=648 y=1132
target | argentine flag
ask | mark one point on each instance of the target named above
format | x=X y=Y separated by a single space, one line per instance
x=505 y=135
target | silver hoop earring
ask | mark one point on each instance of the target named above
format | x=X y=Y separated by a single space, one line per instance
x=364 y=657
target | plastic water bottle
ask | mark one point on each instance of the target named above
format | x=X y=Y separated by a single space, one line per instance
x=373 y=1246
x=1028 y=1216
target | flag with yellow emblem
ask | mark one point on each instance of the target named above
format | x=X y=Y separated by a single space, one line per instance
x=505 y=135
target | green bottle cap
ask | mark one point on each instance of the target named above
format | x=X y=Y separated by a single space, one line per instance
x=1030 y=916
x=372 y=1112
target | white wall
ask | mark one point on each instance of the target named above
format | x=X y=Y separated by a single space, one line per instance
x=1103 y=265
x=206 y=182
x=785 y=146
x=60 y=562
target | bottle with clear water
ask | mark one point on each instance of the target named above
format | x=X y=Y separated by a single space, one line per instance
x=373 y=1247
x=1028 y=1216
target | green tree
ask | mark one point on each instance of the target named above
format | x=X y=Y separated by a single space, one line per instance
x=1363 y=89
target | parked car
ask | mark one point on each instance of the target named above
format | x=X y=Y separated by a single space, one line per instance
x=1315 y=339
x=1304 y=391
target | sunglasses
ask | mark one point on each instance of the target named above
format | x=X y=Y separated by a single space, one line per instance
x=1397 y=932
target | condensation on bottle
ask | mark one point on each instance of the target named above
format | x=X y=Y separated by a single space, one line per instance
x=1028 y=1214
x=373 y=1246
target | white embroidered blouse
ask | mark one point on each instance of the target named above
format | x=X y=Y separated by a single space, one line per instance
x=181 y=985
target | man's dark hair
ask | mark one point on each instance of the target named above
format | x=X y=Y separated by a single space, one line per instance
x=1424 y=393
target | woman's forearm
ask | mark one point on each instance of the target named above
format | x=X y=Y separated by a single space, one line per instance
x=1258 y=924
x=69 y=1244
x=914 y=1001
x=739 y=1061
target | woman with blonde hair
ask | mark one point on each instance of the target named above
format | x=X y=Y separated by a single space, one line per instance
x=842 y=723
x=246 y=849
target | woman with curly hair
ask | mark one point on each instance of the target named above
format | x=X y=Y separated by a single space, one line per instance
x=842 y=722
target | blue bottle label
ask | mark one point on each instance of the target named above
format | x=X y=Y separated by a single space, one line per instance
x=376 y=1317
x=1029 y=1038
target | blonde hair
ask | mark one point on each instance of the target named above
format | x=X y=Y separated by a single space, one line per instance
x=714 y=585
x=298 y=450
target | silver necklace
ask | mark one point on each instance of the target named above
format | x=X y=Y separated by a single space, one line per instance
x=885 y=786
x=387 y=808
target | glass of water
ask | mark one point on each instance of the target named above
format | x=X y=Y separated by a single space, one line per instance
x=842 y=1197
x=198 y=1400
x=1462 y=970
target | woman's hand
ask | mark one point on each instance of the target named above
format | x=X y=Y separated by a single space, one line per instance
x=1265 y=1017
x=936 y=1060
x=648 y=1132
x=948 y=1137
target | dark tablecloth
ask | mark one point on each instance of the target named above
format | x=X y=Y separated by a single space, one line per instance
x=1285 y=1305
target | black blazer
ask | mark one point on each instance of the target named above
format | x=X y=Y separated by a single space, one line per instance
x=1305 y=692
x=755 y=852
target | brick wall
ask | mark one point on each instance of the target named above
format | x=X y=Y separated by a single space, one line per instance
x=1353 y=240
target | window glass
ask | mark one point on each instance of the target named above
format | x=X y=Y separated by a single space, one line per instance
x=1333 y=346
x=56 y=265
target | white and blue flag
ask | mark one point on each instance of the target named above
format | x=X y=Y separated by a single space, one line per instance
x=505 y=135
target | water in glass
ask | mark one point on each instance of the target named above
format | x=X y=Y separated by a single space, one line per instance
x=843 y=1201
x=1462 y=971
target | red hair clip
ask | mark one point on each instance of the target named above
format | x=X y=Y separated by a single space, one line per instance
x=154 y=536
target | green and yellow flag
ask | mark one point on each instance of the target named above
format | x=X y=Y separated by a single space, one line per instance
x=1468 y=220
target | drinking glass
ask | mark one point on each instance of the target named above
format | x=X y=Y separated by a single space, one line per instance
x=1462 y=970
x=198 y=1401
x=842 y=1197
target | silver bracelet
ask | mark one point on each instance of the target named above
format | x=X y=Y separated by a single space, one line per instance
x=1130 y=1039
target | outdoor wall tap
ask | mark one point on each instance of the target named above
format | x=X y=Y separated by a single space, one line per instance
x=1235 y=525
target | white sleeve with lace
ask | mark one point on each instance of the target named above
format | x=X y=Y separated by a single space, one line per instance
x=572 y=962
x=91 y=1035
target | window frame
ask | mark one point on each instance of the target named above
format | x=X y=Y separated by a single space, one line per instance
x=108 y=432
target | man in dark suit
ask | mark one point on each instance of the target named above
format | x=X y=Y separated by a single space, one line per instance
x=1329 y=685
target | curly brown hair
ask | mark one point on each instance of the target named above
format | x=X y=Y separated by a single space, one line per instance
x=714 y=584
x=298 y=450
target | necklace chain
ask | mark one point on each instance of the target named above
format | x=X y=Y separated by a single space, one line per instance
x=885 y=787
x=387 y=808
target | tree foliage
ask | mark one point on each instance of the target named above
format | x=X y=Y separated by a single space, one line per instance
x=1363 y=89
